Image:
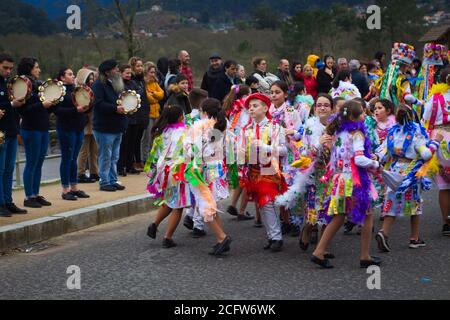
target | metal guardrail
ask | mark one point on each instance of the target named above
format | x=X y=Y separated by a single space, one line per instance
x=18 y=184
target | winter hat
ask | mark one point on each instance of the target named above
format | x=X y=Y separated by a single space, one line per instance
x=107 y=65
x=83 y=75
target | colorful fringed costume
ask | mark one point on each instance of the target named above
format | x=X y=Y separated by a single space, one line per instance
x=394 y=86
x=350 y=189
x=436 y=119
x=432 y=56
x=163 y=167
x=206 y=169
x=405 y=150
x=261 y=174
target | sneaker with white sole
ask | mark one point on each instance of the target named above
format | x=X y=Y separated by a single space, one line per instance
x=382 y=242
x=414 y=244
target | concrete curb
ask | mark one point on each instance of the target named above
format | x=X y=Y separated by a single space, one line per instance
x=33 y=231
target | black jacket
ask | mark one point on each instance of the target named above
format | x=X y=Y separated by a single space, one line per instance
x=9 y=123
x=67 y=117
x=178 y=97
x=34 y=116
x=360 y=81
x=222 y=87
x=106 y=118
x=324 y=81
x=140 y=117
x=209 y=78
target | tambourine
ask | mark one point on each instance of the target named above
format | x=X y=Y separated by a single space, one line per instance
x=130 y=100
x=52 y=90
x=2 y=138
x=20 y=88
x=82 y=96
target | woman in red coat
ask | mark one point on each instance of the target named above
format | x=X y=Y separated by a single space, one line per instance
x=310 y=81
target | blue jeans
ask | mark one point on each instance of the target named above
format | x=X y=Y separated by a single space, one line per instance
x=108 y=155
x=70 y=142
x=36 y=145
x=8 y=152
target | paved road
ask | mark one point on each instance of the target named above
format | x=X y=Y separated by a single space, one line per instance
x=119 y=261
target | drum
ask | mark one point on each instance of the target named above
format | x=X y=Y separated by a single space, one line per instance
x=52 y=90
x=130 y=100
x=20 y=88
x=82 y=96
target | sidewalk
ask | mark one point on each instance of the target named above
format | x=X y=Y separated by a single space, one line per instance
x=135 y=185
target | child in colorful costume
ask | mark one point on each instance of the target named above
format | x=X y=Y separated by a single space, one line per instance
x=436 y=119
x=405 y=150
x=350 y=189
x=259 y=150
x=165 y=161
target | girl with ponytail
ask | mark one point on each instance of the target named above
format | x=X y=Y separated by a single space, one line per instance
x=349 y=189
x=406 y=149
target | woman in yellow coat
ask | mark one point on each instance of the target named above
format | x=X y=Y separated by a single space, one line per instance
x=154 y=94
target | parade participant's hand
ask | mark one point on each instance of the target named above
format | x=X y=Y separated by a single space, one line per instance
x=47 y=104
x=326 y=139
x=120 y=109
x=289 y=132
x=82 y=109
x=439 y=137
x=2 y=113
x=18 y=103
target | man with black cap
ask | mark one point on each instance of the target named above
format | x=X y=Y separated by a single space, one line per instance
x=110 y=122
x=214 y=72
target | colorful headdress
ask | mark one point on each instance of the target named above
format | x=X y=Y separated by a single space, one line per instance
x=403 y=53
x=433 y=53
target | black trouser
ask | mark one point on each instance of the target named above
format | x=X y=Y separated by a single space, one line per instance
x=137 y=142
x=127 y=147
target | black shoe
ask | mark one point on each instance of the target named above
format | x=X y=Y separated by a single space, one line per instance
x=285 y=228
x=446 y=229
x=94 y=177
x=122 y=172
x=382 y=242
x=375 y=261
x=329 y=256
x=277 y=245
x=5 y=213
x=295 y=231
x=244 y=217
x=232 y=210
x=415 y=244
x=197 y=233
x=168 y=243
x=108 y=188
x=258 y=224
x=85 y=179
x=151 y=231
x=303 y=246
x=118 y=186
x=133 y=171
x=31 y=203
x=43 y=201
x=188 y=222
x=221 y=247
x=348 y=227
x=14 y=209
x=268 y=245
x=325 y=263
x=80 y=194
x=69 y=196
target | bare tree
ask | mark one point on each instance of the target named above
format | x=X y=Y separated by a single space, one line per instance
x=126 y=18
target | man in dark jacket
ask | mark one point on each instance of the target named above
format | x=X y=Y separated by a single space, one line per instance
x=223 y=84
x=9 y=126
x=110 y=122
x=213 y=73
x=283 y=72
x=358 y=79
